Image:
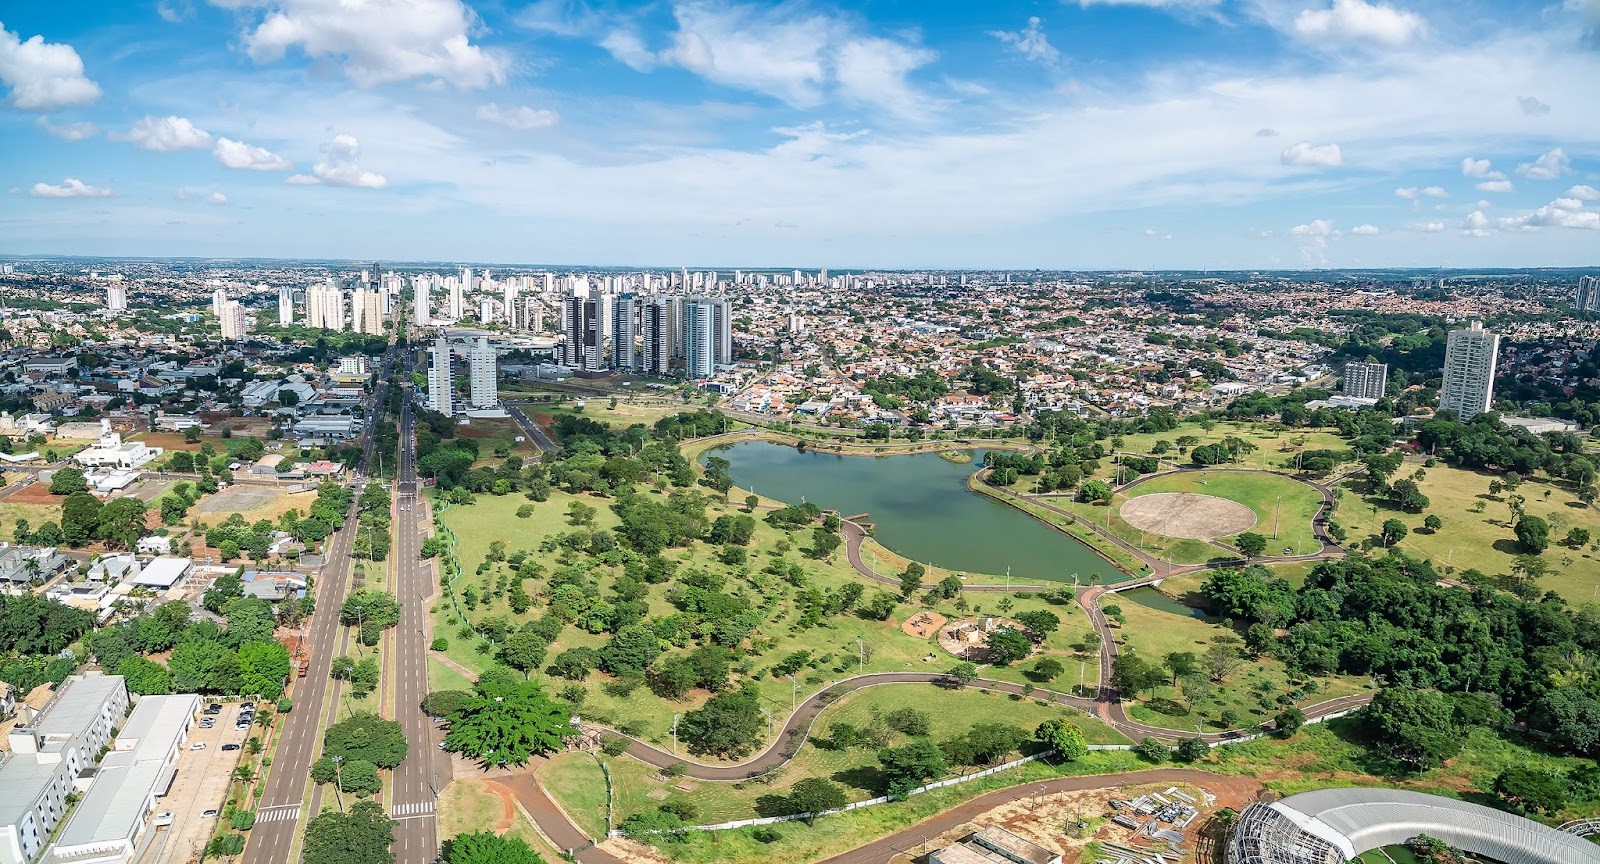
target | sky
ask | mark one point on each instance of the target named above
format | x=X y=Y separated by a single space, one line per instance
x=1057 y=134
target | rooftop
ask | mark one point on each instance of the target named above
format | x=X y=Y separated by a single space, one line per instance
x=76 y=702
x=155 y=722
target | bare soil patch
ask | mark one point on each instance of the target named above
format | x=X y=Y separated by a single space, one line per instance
x=923 y=625
x=1187 y=515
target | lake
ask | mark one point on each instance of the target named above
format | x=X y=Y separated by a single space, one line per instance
x=921 y=508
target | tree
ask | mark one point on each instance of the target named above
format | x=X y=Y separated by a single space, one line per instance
x=1046 y=670
x=250 y=619
x=813 y=795
x=507 y=722
x=1191 y=750
x=367 y=737
x=80 y=518
x=444 y=703
x=1415 y=726
x=963 y=673
x=1181 y=664
x=1220 y=659
x=1153 y=750
x=823 y=543
x=1131 y=674
x=630 y=650
x=224 y=590
x=1526 y=789
x=659 y=826
x=1533 y=534
x=1288 y=721
x=1251 y=544
x=1064 y=738
x=67 y=481
x=524 y=650
x=361 y=836
x=1432 y=523
x=358 y=777
x=984 y=744
x=122 y=522
x=1006 y=646
x=1095 y=491
x=1577 y=537
x=1393 y=531
x=1039 y=622
x=263 y=667
x=728 y=725
x=145 y=677
x=911 y=579
x=484 y=847
x=913 y=764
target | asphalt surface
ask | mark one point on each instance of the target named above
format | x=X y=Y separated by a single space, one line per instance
x=532 y=430
x=415 y=784
x=279 y=809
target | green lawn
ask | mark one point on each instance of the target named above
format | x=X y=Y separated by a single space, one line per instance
x=442 y=677
x=1483 y=540
x=1273 y=449
x=575 y=780
x=1284 y=507
x=1171 y=549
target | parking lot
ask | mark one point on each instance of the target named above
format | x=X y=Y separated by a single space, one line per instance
x=200 y=785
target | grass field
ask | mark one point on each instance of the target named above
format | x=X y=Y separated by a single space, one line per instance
x=575 y=780
x=496 y=434
x=833 y=643
x=36 y=514
x=1284 y=507
x=442 y=677
x=467 y=805
x=1251 y=691
x=1485 y=540
x=1273 y=449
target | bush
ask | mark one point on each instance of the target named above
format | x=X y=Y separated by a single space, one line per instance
x=614 y=745
x=439 y=644
x=285 y=705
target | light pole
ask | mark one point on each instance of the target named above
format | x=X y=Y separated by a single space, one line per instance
x=861 y=656
x=675 y=733
x=338 y=780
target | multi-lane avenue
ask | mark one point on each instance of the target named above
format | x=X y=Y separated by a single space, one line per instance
x=279 y=814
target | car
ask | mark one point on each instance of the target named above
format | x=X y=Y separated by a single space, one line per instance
x=207 y=724
x=215 y=706
x=247 y=707
x=208 y=814
x=198 y=745
x=441 y=745
x=230 y=746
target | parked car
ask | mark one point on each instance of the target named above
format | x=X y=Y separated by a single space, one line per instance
x=208 y=814
x=198 y=745
x=230 y=746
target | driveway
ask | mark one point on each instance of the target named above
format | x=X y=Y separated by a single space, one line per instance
x=200 y=784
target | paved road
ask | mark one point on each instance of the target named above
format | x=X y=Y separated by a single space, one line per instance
x=532 y=430
x=278 y=811
x=414 y=787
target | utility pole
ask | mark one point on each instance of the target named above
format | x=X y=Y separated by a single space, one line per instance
x=861 y=656
x=675 y=733
x=1278 y=511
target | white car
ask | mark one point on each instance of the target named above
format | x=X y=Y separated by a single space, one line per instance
x=198 y=745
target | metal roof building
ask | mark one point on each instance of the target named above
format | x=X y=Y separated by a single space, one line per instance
x=1331 y=826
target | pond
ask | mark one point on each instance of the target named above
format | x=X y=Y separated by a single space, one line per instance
x=921 y=507
x=1154 y=599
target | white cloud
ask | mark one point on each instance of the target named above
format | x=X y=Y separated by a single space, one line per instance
x=1315 y=228
x=246 y=157
x=1031 y=42
x=873 y=71
x=69 y=131
x=175 y=12
x=1471 y=167
x=1358 y=21
x=1560 y=213
x=1315 y=155
x=341 y=166
x=1407 y=192
x=1547 y=167
x=1496 y=186
x=1429 y=227
x=166 y=134
x=521 y=117
x=1266 y=133
x=1475 y=225
x=43 y=76
x=1532 y=107
x=626 y=46
x=69 y=188
x=380 y=41
x=217 y=199
x=1364 y=229
x=1155 y=4
x=1587 y=193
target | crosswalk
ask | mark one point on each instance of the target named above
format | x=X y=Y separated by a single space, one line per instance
x=280 y=813
x=419 y=808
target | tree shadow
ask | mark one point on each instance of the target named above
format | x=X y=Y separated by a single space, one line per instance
x=867 y=777
x=1509 y=547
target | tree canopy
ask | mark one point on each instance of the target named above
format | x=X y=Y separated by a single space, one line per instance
x=507 y=722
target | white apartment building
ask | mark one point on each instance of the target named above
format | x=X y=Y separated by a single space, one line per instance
x=483 y=374
x=325 y=307
x=420 y=286
x=371 y=303
x=1470 y=359
x=48 y=752
x=116 y=298
x=218 y=297
x=1365 y=380
x=232 y=319
x=285 y=305
x=440 y=383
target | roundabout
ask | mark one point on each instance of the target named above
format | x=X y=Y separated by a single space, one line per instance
x=1187 y=515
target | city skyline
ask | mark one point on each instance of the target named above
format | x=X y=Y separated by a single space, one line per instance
x=1143 y=135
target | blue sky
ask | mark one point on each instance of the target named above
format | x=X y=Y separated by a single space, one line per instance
x=884 y=133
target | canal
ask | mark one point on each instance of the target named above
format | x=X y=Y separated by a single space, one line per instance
x=921 y=507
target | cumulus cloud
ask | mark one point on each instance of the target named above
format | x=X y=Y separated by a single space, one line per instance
x=166 y=134
x=1560 y=213
x=69 y=131
x=69 y=188
x=43 y=76
x=1314 y=228
x=520 y=117
x=1547 y=167
x=1364 y=229
x=1429 y=227
x=1313 y=155
x=246 y=157
x=379 y=41
x=341 y=166
x=1586 y=193
x=1532 y=107
x=1266 y=133
x=1357 y=21
x=1475 y=225
x=217 y=199
x=1031 y=42
x=1496 y=186
x=1471 y=167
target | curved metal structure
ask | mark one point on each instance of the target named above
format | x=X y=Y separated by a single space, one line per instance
x=1331 y=826
x=1582 y=827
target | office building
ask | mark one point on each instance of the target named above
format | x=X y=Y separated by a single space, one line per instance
x=116 y=298
x=232 y=319
x=483 y=374
x=49 y=749
x=655 y=321
x=285 y=305
x=624 y=327
x=1588 y=294
x=439 y=381
x=1470 y=359
x=1365 y=380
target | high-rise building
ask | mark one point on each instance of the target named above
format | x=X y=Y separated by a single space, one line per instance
x=583 y=320
x=325 y=307
x=1365 y=380
x=218 y=297
x=419 y=297
x=508 y=303
x=285 y=306
x=439 y=381
x=699 y=345
x=116 y=297
x=624 y=326
x=232 y=319
x=358 y=309
x=1470 y=358
x=458 y=295
x=722 y=331
x=484 y=374
x=1588 y=294
x=655 y=322
x=371 y=314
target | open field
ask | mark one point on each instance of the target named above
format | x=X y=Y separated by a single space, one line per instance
x=470 y=804
x=575 y=780
x=496 y=434
x=1251 y=690
x=1174 y=550
x=1483 y=540
x=833 y=641
x=1273 y=449
x=442 y=677
x=36 y=514
x=1187 y=515
x=1284 y=507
